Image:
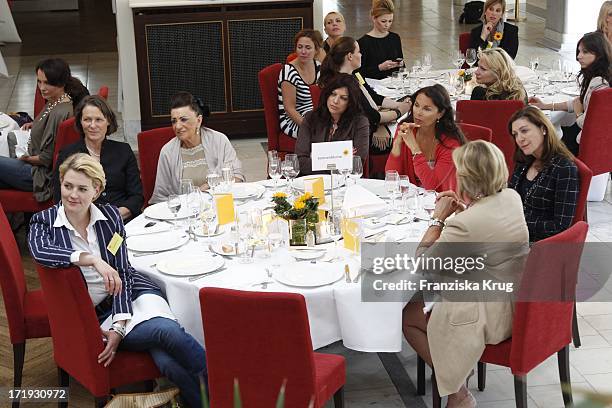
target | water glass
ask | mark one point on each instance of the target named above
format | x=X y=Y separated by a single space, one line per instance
x=392 y=185
x=274 y=170
x=459 y=86
x=416 y=68
x=272 y=154
x=457 y=59
x=426 y=63
x=357 y=170
x=174 y=204
x=245 y=235
x=227 y=173
x=213 y=180
x=404 y=184
x=207 y=215
x=470 y=57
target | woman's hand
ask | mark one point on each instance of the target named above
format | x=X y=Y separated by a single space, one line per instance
x=25 y=158
x=387 y=65
x=112 y=281
x=27 y=126
x=450 y=193
x=537 y=102
x=112 y=342
x=125 y=213
x=406 y=133
x=445 y=206
x=578 y=108
x=404 y=106
x=486 y=30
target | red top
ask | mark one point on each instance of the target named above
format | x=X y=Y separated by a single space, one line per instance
x=439 y=178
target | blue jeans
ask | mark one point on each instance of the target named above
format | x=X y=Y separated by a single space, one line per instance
x=176 y=353
x=15 y=174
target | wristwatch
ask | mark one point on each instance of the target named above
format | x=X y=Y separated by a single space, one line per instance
x=436 y=222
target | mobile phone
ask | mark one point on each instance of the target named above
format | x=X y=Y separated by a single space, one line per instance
x=399 y=59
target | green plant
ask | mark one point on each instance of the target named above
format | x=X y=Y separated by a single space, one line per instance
x=303 y=207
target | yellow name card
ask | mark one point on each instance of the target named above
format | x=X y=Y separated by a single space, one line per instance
x=114 y=243
x=225 y=208
x=350 y=234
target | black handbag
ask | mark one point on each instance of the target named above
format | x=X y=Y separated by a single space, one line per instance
x=472 y=11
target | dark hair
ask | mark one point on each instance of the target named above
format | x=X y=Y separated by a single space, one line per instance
x=446 y=125
x=314 y=35
x=553 y=146
x=335 y=58
x=58 y=73
x=182 y=99
x=353 y=108
x=97 y=102
x=595 y=43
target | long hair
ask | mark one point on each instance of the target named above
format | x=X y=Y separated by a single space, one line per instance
x=553 y=146
x=381 y=7
x=490 y=3
x=335 y=58
x=606 y=8
x=595 y=43
x=500 y=63
x=58 y=73
x=97 y=102
x=353 y=109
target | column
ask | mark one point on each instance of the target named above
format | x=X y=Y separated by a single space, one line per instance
x=567 y=21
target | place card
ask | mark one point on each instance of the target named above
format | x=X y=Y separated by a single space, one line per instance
x=350 y=234
x=225 y=208
x=334 y=154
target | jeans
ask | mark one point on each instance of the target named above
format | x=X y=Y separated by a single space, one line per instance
x=15 y=174
x=176 y=353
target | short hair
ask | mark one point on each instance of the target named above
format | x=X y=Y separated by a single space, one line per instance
x=381 y=7
x=502 y=66
x=606 y=8
x=480 y=169
x=87 y=165
x=490 y=3
x=314 y=35
x=182 y=99
x=97 y=102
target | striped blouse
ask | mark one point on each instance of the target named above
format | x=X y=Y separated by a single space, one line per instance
x=303 y=99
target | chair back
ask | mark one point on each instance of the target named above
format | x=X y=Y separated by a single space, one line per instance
x=464 y=42
x=268 y=85
x=150 y=143
x=475 y=132
x=544 y=311
x=66 y=134
x=585 y=182
x=493 y=115
x=261 y=339
x=291 y=57
x=39 y=102
x=103 y=92
x=596 y=138
x=315 y=95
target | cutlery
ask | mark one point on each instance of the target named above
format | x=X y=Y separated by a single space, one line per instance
x=195 y=278
x=356 y=280
x=347 y=273
x=138 y=254
x=263 y=284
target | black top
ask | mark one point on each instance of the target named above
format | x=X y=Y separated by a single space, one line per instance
x=123 y=185
x=377 y=50
x=479 y=94
x=326 y=47
x=509 y=41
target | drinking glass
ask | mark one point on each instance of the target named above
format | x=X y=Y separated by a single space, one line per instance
x=213 y=180
x=567 y=70
x=227 y=173
x=357 y=170
x=274 y=170
x=293 y=169
x=426 y=63
x=392 y=185
x=174 y=204
x=457 y=59
x=272 y=154
x=260 y=233
x=429 y=201
x=245 y=235
x=470 y=57
x=459 y=86
x=207 y=215
x=396 y=79
x=352 y=227
x=404 y=184
x=534 y=63
x=275 y=242
x=416 y=68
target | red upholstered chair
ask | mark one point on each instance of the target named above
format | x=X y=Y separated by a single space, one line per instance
x=291 y=57
x=596 y=138
x=103 y=91
x=25 y=310
x=262 y=339
x=39 y=102
x=66 y=134
x=150 y=143
x=474 y=132
x=315 y=94
x=464 y=42
x=493 y=115
x=77 y=339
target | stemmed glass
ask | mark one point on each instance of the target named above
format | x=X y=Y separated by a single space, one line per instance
x=227 y=173
x=207 y=215
x=174 y=204
x=567 y=70
x=245 y=234
x=274 y=170
x=404 y=183
x=470 y=57
x=357 y=170
x=426 y=63
x=290 y=168
x=457 y=59
x=392 y=184
x=534 y=63
x=260 y=234
x=459 y=85
x=416 y=68
x=213 y=180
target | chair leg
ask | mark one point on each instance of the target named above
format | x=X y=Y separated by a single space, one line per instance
x=564 y=375
x=482 y=375
x=520 y=391
x=435 y=394
x=64 y=381
x=339 y=398
x=575 y=331
x=420 y=376
x=18 y=358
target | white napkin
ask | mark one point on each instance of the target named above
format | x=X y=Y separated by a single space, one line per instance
x=142 y=230
x=22 y=136
x=362 y=202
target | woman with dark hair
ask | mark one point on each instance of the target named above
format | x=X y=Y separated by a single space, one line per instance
x=494 y=32
x=194 y=152
x=545 y=176
x=423 y=149
x=95 y=120
x=337 y=118
x=594 y=54
x=33 y=171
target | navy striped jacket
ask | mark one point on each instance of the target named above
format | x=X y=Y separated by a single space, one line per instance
x=51 y=246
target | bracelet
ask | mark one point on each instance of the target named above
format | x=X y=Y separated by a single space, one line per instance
x=397 y=112
x=119 y=329
x=553 y=106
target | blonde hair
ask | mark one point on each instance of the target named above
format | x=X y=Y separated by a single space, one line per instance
x=490 y=3
x=381 y=7
x=87 y=165
x=502 y=66
x=332 y=13
x=481 y=169
x=606 y=8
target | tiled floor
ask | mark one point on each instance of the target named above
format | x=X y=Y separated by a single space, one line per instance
x=424 y=27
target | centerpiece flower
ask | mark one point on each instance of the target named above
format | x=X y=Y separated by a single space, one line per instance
x=302 y=216
x=465 y=74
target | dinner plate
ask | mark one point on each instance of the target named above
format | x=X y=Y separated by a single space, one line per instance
x=241 y=191
x=270 y=183
x=307 y=254
x=557 y=78
x=308 y=275
x=338 y=181
x=163 y=241
x=571 y=90
x=160 y=211
x=217 y=247
x=194 y=264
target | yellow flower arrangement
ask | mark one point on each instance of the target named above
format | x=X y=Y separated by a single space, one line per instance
x=279 y=195
x=299 y=205
x=461 y=72
x=498 y=36
x=305 y=196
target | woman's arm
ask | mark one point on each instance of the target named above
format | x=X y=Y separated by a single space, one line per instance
x=163 y=180
x=289 y=95
x=42 y=249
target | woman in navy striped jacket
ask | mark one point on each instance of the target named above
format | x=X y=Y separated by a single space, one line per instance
x=78 y=232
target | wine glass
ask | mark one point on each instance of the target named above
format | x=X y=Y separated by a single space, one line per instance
x=207 y=215
x=534 y=63
x=459 y=85
x=292 y=168
x=357 y=170
x=457 y=59
x=567 y=70
x=392 y=185
x=404 y=184
x=272 y=154
x=245 y=235
x=274 y=170
x=174 y=204
x=426 y=63
x=260 y=233
x=227 y=173
x=213 y=180
x=416 y=68
x=470 y=57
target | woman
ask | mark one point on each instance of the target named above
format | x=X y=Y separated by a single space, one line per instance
x=194 y=152
x=334 y=27
x=496 y=77
x=604 y=22
x=95 y=120
x=339 y=118
x=594 y=54
x=78 y=232
x=381 y=49
x=423 y=149
x=453 y=338
x=545 y=176
x=33 y=171
x=294 y=99
x=494 y=32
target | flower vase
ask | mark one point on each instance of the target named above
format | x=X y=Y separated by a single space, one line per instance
x=297 y=232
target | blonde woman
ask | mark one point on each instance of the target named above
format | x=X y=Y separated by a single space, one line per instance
x=604 y=22
x=380 y=48
x=494 y=32
x=496 y=77
x=334 y=27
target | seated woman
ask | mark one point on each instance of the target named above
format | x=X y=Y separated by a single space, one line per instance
x=339 y=118
x=345 y=57
x=494 y=32
x=33 y=171
x=545 y=175
x=381 y=49
x=594 y=54
x=294 y=99
x=78 y=232
x=95 y=120
x=334 y=27
x=423 y=149
x=604 y=21
x=497 y=78
x=453 y=338
x=195 y=152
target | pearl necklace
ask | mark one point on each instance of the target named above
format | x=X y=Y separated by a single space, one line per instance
x=54 y=104
x=93 y=153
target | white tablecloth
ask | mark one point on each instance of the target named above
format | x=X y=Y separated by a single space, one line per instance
x=7 y=124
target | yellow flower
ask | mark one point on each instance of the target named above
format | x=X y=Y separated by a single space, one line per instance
x=299 y=205
x=461 y=72
x=498 y=36
x=279 y=195
x=345 y=152
x=306 y=196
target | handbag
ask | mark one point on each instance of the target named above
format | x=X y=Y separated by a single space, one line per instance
x=144 y=399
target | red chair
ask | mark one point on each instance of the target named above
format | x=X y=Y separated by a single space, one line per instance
x=77 y=340
x=66 y=135
x=262 y=339
x=291 y=57
x=315 y=94
x=474 y=132
x=150 y=143
x=596 y=138
x=103 y=92
x=464 y=42
x=25 y=310
x=493 y=115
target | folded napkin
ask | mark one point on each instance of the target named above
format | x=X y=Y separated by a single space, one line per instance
x=142 y=230
x=362 y=202
x=18 y=142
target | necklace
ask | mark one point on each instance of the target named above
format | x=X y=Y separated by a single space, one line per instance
x=93 y=153
x=54 y=104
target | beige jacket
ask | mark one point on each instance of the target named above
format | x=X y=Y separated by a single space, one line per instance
x=458 y=331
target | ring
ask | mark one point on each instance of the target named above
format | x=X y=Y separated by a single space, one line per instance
x=113 y=352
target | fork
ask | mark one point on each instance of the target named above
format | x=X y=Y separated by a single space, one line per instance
x=195 y=278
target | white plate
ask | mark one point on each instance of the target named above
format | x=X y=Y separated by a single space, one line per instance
x=571 y=90
x=338 y=181
x=307 y=275
x=557 y=78
x=217 y=247
x=5 y=121
x=307 y=254
x=163 y=241
x=195 y=264
x=241 y=191
x=160 y=211
x=270 y=183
